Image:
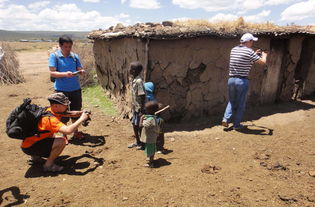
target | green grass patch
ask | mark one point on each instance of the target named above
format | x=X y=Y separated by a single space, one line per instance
x=94 y=96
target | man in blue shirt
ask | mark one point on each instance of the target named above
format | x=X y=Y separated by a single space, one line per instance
x=65 y=66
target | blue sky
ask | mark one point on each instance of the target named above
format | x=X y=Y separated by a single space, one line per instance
x=86 y=15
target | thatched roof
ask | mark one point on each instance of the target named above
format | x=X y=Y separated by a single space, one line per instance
x=179 y=30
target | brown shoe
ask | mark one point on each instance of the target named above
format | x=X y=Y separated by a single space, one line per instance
x=225 y=124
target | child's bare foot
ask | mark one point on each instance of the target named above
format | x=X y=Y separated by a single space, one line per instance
x=149 y=165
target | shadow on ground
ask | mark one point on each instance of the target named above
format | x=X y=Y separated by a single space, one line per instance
x=19 y=198
x=78 y=166
x=89 y=141
x=251 y=114
x=252 y=129
x=161 y=162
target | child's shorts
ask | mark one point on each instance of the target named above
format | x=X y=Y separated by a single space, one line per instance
x=135 y=118
x=149 y=149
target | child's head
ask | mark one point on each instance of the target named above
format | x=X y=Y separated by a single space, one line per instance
x=151 y=107
x=135 y=68
x=149 y=87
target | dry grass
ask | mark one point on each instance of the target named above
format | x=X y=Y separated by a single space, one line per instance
x=9 y=66
x=236 y=25
x=85 y=52
x=31 y=46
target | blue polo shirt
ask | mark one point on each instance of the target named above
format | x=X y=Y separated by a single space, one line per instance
x=64 y=64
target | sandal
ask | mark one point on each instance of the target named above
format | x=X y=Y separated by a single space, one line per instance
x=53 y=168
x=79 y=135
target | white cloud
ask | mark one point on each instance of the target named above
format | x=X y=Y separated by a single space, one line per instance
x=60 y=17
x=38 y=5
x=219 y=5
x=2 y=2
x=123 y=15
x=260 y=17
x=208 y=5
x=143 y=4
x=223 y=17
x=180 y=19
x=252 y=4
x=92 y=1
x=228 y=5
x=278 y=2
x=299 y=11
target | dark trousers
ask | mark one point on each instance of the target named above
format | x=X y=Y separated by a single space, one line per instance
x=75 y=97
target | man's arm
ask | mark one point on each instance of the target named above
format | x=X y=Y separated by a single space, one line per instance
x=52 y=63
x=54 y=73
x=263 y=58
x=71 y=128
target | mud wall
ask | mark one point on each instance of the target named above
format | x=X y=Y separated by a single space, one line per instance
x=306 y=70
x=191 y=74
x=112 y=60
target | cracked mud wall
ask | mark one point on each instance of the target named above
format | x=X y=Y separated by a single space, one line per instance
x=112 y=60
x=191 y=74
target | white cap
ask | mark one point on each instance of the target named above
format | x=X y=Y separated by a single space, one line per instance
x=248 y=37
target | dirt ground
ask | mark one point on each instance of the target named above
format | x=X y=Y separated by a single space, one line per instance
x=268 y=164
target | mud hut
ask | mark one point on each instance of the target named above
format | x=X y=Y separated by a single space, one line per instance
x=189 y=64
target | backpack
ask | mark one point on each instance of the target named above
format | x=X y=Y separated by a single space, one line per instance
x=53 y=79
x=23 y=120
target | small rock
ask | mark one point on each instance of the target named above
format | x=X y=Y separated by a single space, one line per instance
x=217 y=138
x=311 y=173
x=167 y=23
x=119 y=26
x=124 y=198
x=287 y=199
x=261 y=156
x=210 y=169
x=172 y=139
x=278 y=166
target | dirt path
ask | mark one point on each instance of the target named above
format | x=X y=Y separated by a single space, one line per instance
x=266 y=165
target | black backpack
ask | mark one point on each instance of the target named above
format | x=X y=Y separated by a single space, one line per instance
x=23 y=120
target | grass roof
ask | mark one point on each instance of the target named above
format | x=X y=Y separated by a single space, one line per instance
x=194 y=28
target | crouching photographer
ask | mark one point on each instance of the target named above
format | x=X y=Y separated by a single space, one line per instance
x=47 y=143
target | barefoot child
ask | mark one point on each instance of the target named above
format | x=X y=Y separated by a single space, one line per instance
x=138 y=99
x=149 y=90
x=151 y=131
